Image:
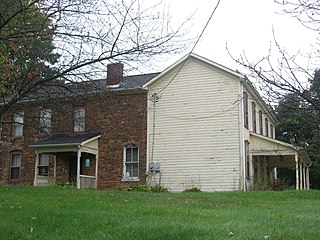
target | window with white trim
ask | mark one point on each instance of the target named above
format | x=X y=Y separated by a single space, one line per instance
x=15 y=166
x=43 y=164
x=245 y=110
x=260 y=122
x=271 y=131
x=131 y=163
x=266 y=127
x=254 y=117
x=45 y=120
x=17 y=130
x=79 y=119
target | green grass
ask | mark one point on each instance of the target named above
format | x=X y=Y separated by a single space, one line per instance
x=59 y=213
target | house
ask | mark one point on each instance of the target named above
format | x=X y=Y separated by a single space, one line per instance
x=209 y=128
x=90 y=133
x=196 y=124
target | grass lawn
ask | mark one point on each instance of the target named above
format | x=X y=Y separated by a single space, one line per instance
x=61 y=213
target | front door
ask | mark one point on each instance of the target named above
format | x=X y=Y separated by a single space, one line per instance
x=73 y=169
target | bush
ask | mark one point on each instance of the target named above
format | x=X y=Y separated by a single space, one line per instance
x=194 y=189
x=145 y=188
x=65 y=185
x=139 y=188
x=158 y=188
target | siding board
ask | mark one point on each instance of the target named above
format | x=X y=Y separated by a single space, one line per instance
x=196 y=128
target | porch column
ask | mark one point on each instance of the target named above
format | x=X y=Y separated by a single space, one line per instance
x=301 y=175
x=275 y=174
x=297 y=170
x=54 y=167
x=308 y=180
x=78 y=166
x=96 y=171
x=35 y=181
x=305 y=176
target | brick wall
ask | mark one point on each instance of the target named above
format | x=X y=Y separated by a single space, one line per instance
x=119 y=116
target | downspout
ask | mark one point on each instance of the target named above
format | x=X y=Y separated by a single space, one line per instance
x=154 y=99
x=242 y=155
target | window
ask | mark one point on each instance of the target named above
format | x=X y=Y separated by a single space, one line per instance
x=45 y=120
x=245 y=110
x=15 y=165
x=246 y=152
x=254 y=117
x=131 y=163
x=260 y=122
x=17 y=124
x=266 y=127
x=43 y=165
x=271 y=131
x=79 y=119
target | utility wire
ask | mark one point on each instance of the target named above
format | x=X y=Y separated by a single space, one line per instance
x=194 y=46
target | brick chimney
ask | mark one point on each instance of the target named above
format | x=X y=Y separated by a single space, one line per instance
x=114 y=74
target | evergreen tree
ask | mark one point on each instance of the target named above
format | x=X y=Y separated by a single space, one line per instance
x=26 y=46
x=299 y=124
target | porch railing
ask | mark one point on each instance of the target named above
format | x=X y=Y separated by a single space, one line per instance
x=87 y=181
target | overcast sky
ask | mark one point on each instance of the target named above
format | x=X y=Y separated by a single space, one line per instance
x=244 y=25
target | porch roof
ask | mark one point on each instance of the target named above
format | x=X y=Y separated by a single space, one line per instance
x=65 y=142
x=261 y=145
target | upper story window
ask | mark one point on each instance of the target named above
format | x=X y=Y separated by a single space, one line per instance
x=271 y=131
x=245 y=110
x=254 y=117
x=260 y=122
x=131 y=163
x=79 y=119
x=45 y=120
x=43 y=165
x=15 y=166
x=17 y=130
x=266 y=127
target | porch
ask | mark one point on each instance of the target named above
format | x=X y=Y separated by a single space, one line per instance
x=67 y=158
x=267 y=155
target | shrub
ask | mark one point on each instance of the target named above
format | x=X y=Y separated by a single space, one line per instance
x=139 y=188
x=145 y=188
x=194 y=189
x=65 y=185
x=158 y=188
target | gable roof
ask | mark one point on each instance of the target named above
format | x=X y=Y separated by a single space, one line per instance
x=247 y=83
x=193 y=55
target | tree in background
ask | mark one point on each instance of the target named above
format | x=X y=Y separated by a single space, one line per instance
x=292 y=82
x=49 y=42
x=26 y=49
x=281 y=72
x=299 y=124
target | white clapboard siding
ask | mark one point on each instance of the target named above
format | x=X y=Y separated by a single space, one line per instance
x=197 y=136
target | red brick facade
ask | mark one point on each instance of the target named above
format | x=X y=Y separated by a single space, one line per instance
x=120 y=116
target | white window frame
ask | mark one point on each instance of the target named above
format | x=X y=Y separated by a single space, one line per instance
x=266 y=122
x=79 y=117
x=126 y=173
x=246 y=110
x=15 y=165
x=254 y=117
x=43 y=165
x=45 y=120
x=17 y=129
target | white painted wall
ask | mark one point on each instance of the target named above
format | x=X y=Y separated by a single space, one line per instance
x=197 y=136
